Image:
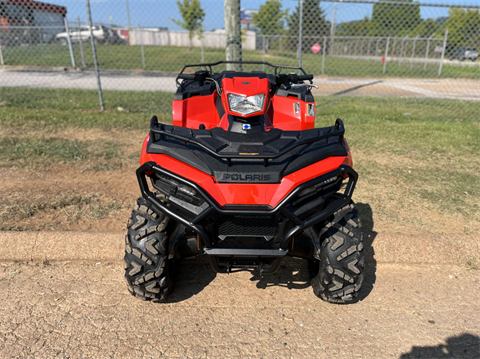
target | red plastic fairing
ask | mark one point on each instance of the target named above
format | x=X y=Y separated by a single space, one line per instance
x=246 y=86
x=243 y=193
x=195 y=111
x=291 y=114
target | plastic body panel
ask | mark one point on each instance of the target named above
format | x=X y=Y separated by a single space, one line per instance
x=289 y=113
x=196 y=111
x=284 y=116
x=246 y=86
x=243 y=193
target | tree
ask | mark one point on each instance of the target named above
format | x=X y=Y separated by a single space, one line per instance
x=463 y=27
x=394 y=19
x=314 y=24
x=270 y=19
x=425 y=29
x=353 y=28
x=192 y=17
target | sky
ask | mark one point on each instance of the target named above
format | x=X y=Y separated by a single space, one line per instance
x=159 y=13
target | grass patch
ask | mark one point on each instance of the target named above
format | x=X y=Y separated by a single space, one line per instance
x=46 y=151
x=172 y=59
x=55 y=109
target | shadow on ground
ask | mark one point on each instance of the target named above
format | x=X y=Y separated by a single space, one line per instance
x=195 y=274
x=463 y=346
x=293 y=274
x=366 y=217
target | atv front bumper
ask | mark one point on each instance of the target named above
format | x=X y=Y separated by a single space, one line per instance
x=198 y=222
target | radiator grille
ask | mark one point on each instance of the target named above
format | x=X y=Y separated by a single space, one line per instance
x=250 y=226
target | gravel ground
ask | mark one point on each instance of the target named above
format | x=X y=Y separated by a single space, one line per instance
x=82 y=309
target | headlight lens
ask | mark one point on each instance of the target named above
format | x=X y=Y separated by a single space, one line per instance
x=246 y=105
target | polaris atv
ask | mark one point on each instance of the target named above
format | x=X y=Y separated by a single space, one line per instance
x=243 y=177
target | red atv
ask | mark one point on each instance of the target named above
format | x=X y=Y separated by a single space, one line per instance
x=243 y=177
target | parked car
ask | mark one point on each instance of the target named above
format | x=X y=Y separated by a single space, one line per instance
x=101 y=34
x=464 y=52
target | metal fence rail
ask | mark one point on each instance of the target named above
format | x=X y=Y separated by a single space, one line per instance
x=419 y=50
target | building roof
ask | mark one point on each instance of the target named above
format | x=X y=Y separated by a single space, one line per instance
x=39 y=6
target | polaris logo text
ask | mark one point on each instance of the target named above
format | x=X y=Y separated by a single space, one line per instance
x=244 y=177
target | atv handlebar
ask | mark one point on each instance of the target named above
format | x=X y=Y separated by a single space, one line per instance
x=304 y=77
x=293 y=78
x=187 y=77
x=281 y=79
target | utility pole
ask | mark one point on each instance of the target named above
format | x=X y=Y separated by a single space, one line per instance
x=334 y=15
x=129 y=24
x=233 y=51
x=94 y=51
x=128 y=15
x=300 y=34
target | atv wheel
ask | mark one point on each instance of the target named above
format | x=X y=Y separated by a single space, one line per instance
x=338 y=276
x=148 y=271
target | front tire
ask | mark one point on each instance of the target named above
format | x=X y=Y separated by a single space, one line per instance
x=338 y=276
x=148 y=271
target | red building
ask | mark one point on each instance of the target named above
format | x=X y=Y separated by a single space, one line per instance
x=28 y=21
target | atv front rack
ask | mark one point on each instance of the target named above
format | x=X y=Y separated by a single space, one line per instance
x=227 y=145
x=299 y=225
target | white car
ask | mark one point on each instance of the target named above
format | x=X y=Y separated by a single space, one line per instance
x=101 y=34
x=464 y=53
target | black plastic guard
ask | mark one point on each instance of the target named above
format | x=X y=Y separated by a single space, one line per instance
x=299 y=224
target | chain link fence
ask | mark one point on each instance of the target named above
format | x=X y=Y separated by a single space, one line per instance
x=364 y=48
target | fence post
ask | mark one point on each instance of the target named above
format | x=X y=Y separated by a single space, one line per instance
x=201 y=45
x=426 y=54
x=94 y=51
x=400 y=61
x=443 y=52
x=263 y=54
x=72 y=57
x=413 y=52
x=323 y=55
x=41 y=45
x=300 y=34
x=386 y=56
x=82 y=55
x=1 y=56
x=142 y=50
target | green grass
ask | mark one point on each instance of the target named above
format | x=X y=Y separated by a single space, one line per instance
x=172 y=59
x=47 y=151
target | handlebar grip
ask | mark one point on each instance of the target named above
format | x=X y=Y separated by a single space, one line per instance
x=305 y=77
x=186 y=76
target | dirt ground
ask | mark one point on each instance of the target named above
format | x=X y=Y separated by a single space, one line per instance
x=83 y=310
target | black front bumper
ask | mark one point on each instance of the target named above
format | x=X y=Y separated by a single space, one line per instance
x=299 y=225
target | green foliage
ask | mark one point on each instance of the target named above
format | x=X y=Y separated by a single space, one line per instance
x=426 y=28
x=353 y=28
x=394 y=19
x=314 y=25
x=463 y=27
x=270 y=18
x=192 y=16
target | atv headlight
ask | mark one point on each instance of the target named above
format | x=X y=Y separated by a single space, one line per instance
x=246 y=105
